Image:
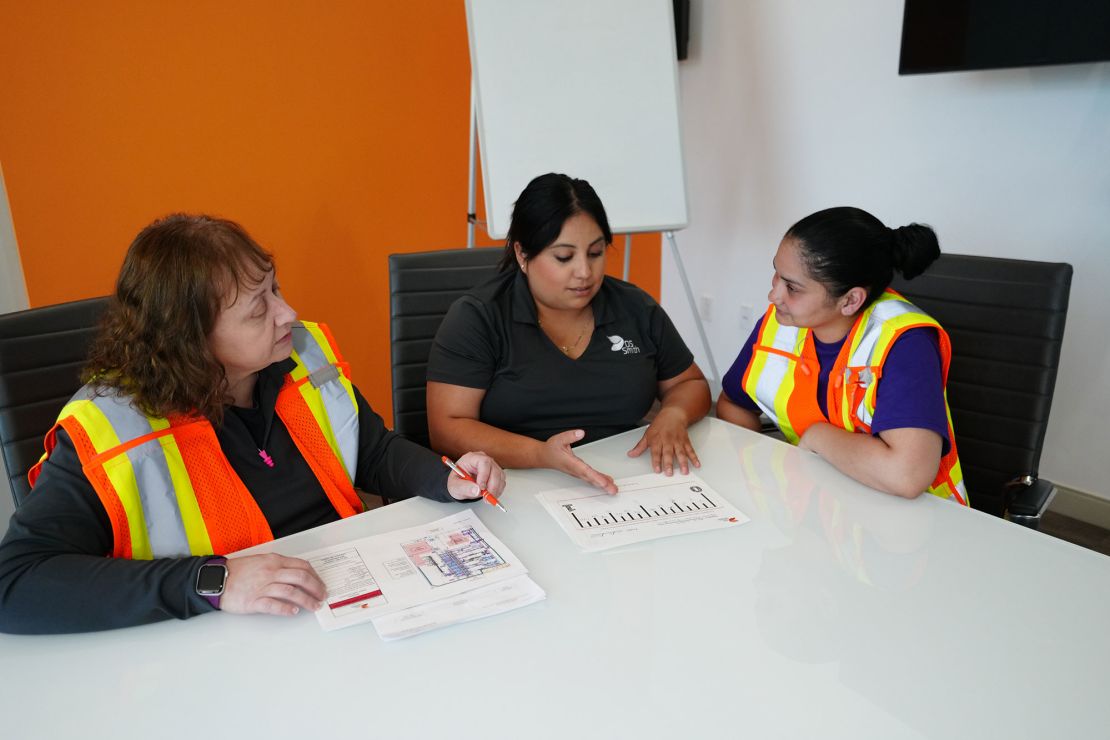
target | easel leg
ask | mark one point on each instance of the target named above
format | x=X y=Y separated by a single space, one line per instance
x=471 y=194
x=715 y=376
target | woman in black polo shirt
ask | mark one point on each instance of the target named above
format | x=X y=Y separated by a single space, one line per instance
x=552 y=352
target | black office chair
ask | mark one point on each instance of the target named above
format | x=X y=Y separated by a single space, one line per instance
x=422 y=286
x=42 y=352
x=1006 y=320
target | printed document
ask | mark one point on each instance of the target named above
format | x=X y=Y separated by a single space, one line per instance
x=647 y=507
x=417 y=579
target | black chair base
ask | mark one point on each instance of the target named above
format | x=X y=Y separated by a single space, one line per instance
x=1029 y=501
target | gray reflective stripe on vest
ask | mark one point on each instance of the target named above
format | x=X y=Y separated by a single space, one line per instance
x=775 y=369
x=863 y=355
x=881 y=312
x=324 y=376
x=152 y=476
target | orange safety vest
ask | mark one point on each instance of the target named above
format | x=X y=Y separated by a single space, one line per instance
x=168 y=488
x=782 y=377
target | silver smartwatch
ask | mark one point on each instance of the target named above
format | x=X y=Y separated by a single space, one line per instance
x=211 y=579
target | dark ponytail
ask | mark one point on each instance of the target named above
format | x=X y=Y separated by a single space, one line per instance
x=847 y=247
x=542 y=209
x=913 y=249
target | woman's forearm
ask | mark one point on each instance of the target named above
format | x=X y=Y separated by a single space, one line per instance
x=456 y=436
x=691 y=397
x=738 y=415
x=904 y=464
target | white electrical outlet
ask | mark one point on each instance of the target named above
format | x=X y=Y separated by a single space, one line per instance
x=746 y=317
x=705 y=307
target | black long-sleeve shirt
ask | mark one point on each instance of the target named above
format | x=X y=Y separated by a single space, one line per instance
x=56 y=573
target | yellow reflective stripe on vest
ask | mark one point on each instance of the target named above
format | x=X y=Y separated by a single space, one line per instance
x=196 y=533
x=118 y=469
x=782 y=399
x=886 y=319
x=771 y=379
x=328 y=393
x=846 y=419
x=956 y=476
x=954 y=487
x=150 y=479
x=758 y=368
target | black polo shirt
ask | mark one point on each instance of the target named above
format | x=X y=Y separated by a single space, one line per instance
x=491 y=339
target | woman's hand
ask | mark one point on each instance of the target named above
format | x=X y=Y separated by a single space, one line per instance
x=454 y=425
x=484 y=470
x=271 y=584
x=558 y=455
x=685 y=399
x=668 y=439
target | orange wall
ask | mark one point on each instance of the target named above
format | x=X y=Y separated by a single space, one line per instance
x=336 y=133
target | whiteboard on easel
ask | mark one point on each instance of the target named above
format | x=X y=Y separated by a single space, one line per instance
x=588 y=88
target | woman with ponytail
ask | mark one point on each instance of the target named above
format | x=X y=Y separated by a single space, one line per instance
x=846 y=367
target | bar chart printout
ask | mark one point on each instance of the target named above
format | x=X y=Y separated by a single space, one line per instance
x=647 y=507
x=602 y=515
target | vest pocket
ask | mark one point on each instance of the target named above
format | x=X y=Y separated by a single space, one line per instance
x=859 y=382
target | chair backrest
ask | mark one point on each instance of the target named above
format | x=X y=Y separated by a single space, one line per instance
x=422 y=286
x=42 y=352
x=1006 y=320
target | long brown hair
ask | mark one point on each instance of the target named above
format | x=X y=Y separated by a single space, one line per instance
x=179 y=273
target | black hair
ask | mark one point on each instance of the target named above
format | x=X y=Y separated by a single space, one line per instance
x=542 y=209
x=847 y=247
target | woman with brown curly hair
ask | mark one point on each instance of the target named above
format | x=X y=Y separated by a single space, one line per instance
x=211 y=420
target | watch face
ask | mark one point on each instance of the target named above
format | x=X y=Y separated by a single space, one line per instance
x=210 y=579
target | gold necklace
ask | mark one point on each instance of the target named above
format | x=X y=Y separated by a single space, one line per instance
x=568 y=348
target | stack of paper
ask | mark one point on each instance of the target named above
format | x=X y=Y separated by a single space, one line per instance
x=417 y=579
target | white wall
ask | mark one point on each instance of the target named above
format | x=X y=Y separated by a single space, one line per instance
x=13 y=297
x=790 y=106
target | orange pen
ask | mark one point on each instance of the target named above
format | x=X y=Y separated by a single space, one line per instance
x=489 y=497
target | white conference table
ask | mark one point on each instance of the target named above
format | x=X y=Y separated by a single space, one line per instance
x=836 y=612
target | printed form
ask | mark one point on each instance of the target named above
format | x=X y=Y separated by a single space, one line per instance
x=417 y=579
x=647 y=507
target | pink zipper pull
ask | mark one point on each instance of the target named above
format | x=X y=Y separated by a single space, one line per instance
x=266 y=458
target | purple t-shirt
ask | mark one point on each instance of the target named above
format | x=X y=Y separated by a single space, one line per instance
x=910 y=393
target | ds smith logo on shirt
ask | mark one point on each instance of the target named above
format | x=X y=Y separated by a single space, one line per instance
x=625 y=345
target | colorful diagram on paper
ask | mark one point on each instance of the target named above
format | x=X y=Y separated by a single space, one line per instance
x=452 y=556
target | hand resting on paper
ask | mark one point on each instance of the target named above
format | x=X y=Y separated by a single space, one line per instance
x=271 y=584
x=668 y=437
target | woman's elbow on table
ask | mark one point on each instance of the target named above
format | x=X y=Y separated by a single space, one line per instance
x=734 y=414
x=915 y=461
x=907 y=490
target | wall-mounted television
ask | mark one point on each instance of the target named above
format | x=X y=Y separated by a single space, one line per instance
x=956 y=35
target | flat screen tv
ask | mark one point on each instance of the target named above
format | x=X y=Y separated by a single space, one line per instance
x=956 y=35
